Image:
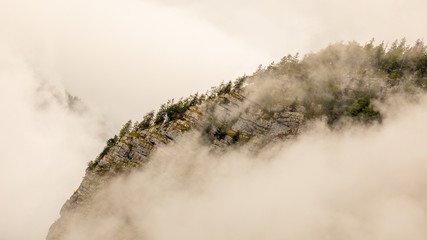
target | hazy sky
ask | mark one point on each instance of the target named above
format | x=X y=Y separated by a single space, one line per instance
x=357 y=183
x=124 y=58
x=127 y=57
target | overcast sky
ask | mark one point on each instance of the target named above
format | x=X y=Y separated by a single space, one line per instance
x=127 y=57
x=124 y=58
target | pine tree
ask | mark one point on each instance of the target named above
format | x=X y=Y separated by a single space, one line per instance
x=125 y=129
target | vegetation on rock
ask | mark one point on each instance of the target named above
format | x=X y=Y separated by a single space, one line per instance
x=340 y=81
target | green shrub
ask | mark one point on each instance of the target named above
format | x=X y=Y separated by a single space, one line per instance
x=221 y=132
x=224 y=88
x=175 y=111
x=422 y=66
x=161 y=115
x=172 y=111
x=127 y=127
x=110 y=143
x=236 y=137
x=146 y=121
x=362 y=110
x=238 y=84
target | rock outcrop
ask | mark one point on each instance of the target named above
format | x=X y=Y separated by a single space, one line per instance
x=224 y=121
x=343 y=82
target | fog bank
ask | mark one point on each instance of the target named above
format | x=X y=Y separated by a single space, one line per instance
x=358 y=183
x=125 y=58
x=47 y=139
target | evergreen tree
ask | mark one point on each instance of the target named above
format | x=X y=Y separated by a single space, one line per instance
x=146 y=121
x=125 y=129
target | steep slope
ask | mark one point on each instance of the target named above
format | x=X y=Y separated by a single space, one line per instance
x=251 y=126
x=339 y=84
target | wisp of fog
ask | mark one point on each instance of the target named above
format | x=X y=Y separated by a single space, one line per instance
x=357 y=183
x=124 y=58
x=47 y=137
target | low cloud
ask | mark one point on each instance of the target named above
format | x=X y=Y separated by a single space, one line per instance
x=360 y=182
x=123 y=58
x=47 y=139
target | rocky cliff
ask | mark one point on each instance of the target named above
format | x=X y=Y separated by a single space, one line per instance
x=236 y=123
x=340 y=84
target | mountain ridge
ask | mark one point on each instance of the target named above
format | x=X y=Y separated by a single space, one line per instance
x=339 y=84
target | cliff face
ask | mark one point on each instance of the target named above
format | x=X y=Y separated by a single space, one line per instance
x=222 y=122
x=342 y=83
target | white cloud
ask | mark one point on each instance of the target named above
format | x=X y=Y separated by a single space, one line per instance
x=359 y=183
x=124 y=58
x=43 y=152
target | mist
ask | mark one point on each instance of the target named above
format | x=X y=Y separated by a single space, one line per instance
x=124 y=58
x=357 y=183
x=47 y=139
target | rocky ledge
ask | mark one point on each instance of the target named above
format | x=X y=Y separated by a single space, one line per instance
x=225 y=121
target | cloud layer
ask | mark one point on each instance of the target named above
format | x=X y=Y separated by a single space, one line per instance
x=359 y=183
x=124 y=58
x=45 y=146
